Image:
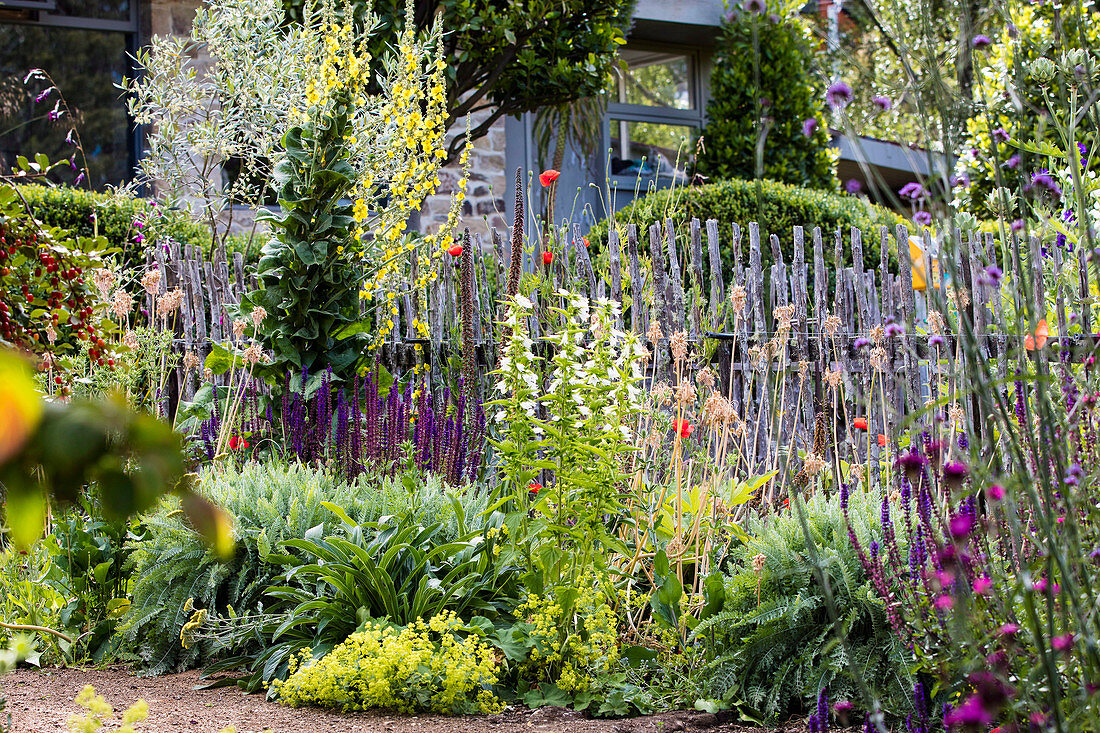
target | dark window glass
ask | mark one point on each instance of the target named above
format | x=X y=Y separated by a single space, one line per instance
x=101 y=9
x=86 y=65
x=650 y=148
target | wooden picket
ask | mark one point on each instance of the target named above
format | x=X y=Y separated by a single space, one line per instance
x=874 y=312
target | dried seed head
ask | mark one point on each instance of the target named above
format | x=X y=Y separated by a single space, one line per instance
x=706 y=378
x=653 y=333
x=258 y=315
x=717 y=410
x=878 y=335
x=662 y=393
x=759 y=562
x=878 y=358
x=784 y=316
x=104 y=280
x=150 y=281
x=254 y=354
x=169 y=302
x=130 y=340
x=814 y=464
x=191 y=361
x=239 y=327
x=686 y=394
x=121 y=303
x=678 y=344
x=833 y=378
x=935 y=322
x=831 y=326
x=738 y=298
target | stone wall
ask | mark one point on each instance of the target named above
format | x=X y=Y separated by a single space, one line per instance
x=486 y=192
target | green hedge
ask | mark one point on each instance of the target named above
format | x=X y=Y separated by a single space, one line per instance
x=781 y=208
x=72 y=209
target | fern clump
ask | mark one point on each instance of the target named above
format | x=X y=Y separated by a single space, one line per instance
x=774 y=645
x=176 y=574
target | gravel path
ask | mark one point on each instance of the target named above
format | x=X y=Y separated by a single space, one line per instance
x=41 y=701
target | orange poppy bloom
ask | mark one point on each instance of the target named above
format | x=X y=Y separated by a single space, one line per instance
x=860 y=423
x=1039 y=339
x=548 y=176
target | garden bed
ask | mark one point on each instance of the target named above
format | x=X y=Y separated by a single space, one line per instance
x=41 y=701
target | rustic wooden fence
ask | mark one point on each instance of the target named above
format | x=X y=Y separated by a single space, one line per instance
x=862 y=326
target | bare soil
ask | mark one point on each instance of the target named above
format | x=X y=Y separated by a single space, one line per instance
x=41 y=701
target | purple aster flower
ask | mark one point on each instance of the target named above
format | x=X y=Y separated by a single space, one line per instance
x=1001 y=135
x=1012 y=162
x=981 y=41
x=882 y=102
x=1018 y=225
x=809 y=127
x=838 y=95
x=853 y=186
x=923 y=218
x=971 y=713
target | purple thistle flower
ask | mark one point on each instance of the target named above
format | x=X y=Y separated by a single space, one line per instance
x=981 y=41
x=882 y=102
x=936 y=340
x=972 y=713
x=809 y=127
x=1001 y=135
x=756 y=7
x=838 y=95
x=860 y=343
x=923 y=218
x=1013 y=162
x=1018 y=225
x=991 y=276
x=955 y=472
x=1043 y=180
x=913 y=191
x=894 y=329
x=853 y=186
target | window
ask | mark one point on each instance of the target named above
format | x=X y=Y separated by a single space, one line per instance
x=85 y=46
x=654 y=113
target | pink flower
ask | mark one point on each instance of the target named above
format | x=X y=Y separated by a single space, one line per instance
x=996 y=492
x=1040 y=585
x=1008 y=629
x=945 y=602
x=1062 y=643
x=982 y=585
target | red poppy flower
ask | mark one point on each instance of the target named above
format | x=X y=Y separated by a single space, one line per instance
x=881 y=440
x=786 y=503
x=860 y=423
x=534 y=487
x=548 y=176
x=683 y=428
x=455 y=250
x=237 y=442
x=547 y=257
x=585 y=240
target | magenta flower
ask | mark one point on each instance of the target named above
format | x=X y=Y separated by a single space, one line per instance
x=1008 y=629
x=912 y=191
x=853 y=186
x=882 y=102
x=996 y=492
x=923 y=218
x=1062 y=643
x=981 y=41
x=961 y=525
x=838 y=95
x=945 y=602
x=1013 y=162
x=1040 y=585
x=45 y=93
x=809 y=127
x=756 y=7
x=955 y=472
x=981 y=586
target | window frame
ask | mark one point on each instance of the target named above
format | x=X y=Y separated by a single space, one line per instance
x=131 y=28
x=622 y=112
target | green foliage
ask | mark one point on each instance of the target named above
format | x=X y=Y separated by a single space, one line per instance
x=28 y=598
x=54 y=450
x=774 y=644
x=518 y=57
x=269 y=503
x=436 y=665
x=309 y=288
x=763 y=86
x=396 y=568
x=90 y=567
x=112 y=216
x=735 y=201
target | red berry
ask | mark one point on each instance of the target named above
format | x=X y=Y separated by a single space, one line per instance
x=58 y=379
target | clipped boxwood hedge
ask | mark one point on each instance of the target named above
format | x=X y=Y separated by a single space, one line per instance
x=72 y=209
x=782 y=207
